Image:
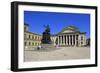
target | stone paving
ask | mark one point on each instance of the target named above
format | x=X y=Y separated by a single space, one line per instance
x=61 y=53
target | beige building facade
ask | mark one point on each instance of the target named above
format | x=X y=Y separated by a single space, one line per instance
x=31 y=39
x=69 y=36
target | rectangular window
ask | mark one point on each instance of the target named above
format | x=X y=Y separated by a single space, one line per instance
x=81 y=38
x=81 y=42
x=33 y=43
x=29 y=43
x=33 y=37
x=24 y=36
x=24 y=28
x=25 y=43
x=29 y=36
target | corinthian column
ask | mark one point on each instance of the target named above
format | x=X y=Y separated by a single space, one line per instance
x=66 y=40
x=72 y=40
x=75 y=41
x=58 y=40
x=69 y=41
x=63 y=40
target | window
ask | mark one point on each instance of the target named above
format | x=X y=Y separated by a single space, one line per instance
x=29 y=43
x=81 y=38
x=24 y=28
x=81 y=42
x=33 y=43
x=29 y=36
x=33 y=37
x=24 y=36
x=25 y=43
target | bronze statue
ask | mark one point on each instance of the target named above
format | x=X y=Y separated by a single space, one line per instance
x=46 y=36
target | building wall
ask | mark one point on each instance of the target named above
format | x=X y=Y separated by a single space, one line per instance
x=25 y=28
x=82 y=40
x=54 y=40
x=32 y=40
x=71 y=39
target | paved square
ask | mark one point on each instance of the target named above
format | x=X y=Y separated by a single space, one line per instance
x=62 y=53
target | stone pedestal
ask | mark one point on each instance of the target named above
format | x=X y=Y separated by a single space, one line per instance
x=47 y=46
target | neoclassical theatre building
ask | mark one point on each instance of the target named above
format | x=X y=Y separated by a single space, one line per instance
x=69 y=36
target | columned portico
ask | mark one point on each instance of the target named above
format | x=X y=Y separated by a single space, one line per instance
x=69 y=40
x=71 y=37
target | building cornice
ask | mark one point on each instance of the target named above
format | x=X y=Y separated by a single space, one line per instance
x=33 y=33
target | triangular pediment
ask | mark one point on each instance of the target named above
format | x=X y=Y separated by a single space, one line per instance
x=69 y=29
